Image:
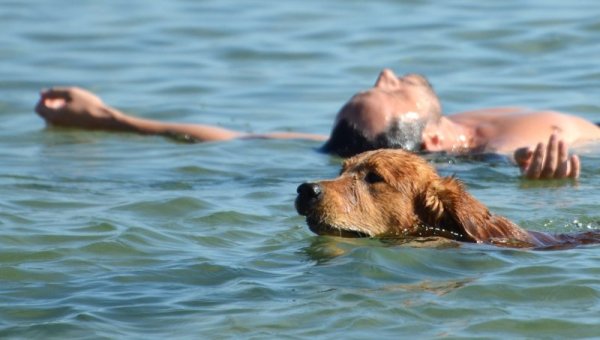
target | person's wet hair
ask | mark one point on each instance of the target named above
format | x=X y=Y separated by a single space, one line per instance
x=346 y=140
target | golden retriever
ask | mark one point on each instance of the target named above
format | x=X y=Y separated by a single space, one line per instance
x=396 y=194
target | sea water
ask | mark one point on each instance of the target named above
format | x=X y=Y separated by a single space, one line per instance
x=109 y=235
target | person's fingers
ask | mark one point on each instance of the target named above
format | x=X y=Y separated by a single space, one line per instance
x=575 y=166
x=51 y=102
x=523 y=157
x=45 y=112
x=55 y=103
x=535 y=169
x=40 y=107
x=562 y=169
x=58 y=92
x=550 y=161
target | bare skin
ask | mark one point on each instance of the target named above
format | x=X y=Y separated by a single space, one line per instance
x=78 y=108
x=537 y=140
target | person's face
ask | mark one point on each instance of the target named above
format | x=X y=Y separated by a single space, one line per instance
x=392 y=99
x=391 y=114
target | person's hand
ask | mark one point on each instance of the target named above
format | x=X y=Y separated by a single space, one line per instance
x=73 y=107
x=550 y=161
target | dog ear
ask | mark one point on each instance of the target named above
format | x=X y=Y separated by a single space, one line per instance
x=448 y=206
x=433 y=201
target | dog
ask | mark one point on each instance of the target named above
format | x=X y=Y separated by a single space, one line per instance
x=396 y=194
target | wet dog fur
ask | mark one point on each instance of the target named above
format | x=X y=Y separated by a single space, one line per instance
x=396 y=194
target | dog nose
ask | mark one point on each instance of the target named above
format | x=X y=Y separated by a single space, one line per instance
x=308 y=194
x=309 y=190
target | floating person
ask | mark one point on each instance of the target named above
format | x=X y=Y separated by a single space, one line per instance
x=397 y=112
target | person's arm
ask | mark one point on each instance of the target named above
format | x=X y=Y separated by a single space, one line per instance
x=551 y=161
x=78 y=108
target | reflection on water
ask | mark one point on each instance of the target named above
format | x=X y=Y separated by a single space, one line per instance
x=437 y=288
x=324 y=248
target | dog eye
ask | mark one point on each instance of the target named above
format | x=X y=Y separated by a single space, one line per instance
x=372 y=177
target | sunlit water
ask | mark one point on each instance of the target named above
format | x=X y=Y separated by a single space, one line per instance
x=123 y=236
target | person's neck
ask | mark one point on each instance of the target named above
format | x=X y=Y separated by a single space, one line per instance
x=447 y=135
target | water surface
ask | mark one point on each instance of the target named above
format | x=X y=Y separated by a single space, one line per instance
x=123 y=236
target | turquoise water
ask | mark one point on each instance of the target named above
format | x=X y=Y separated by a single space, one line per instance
x=124 y=236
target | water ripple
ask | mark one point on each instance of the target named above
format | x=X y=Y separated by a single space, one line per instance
x=124 y=236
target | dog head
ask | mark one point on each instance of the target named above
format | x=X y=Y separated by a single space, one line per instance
x=394 y=193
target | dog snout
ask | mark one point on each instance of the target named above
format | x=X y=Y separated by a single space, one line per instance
x=308 y=194
x=309 y=190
